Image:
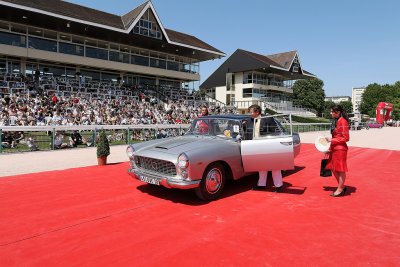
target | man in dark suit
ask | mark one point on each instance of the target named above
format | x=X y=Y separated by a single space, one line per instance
x=263 y=127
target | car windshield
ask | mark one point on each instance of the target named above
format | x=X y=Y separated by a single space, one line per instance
x=227 y=128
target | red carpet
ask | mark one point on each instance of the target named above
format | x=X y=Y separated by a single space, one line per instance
x=99 y=216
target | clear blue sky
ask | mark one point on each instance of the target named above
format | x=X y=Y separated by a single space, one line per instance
x=345 y=43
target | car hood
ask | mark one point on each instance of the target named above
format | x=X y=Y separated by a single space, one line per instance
x=177 y=145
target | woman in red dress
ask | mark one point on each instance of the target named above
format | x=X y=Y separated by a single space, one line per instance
x=338 y=150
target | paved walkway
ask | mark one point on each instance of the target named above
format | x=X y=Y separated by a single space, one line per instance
x=31 y=162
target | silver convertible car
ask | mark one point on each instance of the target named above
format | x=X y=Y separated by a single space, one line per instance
x=214 y=149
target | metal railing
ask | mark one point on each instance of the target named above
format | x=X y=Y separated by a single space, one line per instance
x=286 y=108
x=213 y=100
x=310 y=127
x=44 y=136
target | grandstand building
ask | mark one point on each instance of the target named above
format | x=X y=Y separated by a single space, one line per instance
x=246 y=78
x=44 y=39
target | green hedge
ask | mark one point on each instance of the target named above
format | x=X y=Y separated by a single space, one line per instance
x=309 y=120
x=270 y=111
x=300 y=119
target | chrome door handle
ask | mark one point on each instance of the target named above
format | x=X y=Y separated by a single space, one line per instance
x=286 y=143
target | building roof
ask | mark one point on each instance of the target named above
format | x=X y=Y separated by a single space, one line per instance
x=101 y=19
x=262 y=58
x=72 y=10
x=130 y=17
x=189 y=40
x=283 y=59
x=242 y=60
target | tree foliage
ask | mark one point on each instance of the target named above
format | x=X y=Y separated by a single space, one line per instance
x=375 y=93
x=347 y=106
x=309 y=94
x=327 y=109
x=396 y=108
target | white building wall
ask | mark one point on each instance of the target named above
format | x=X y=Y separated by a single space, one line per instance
x=356 y=98
x=221 y=91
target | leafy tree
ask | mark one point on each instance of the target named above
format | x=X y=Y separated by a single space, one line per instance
x=396 y=108
x=347 y=106
x=309 y=94
x=370 y=98
x=327 y=109
x=375 y=93
x=395 y=100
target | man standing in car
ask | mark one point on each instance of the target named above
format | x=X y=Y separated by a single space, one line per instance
x=261 y=127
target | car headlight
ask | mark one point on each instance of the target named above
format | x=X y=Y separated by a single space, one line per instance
x=183 y=161
x=130 y=151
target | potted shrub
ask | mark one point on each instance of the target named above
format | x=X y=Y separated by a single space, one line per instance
x=103 y=148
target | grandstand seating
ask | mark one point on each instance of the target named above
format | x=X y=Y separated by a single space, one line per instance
x=83 y=102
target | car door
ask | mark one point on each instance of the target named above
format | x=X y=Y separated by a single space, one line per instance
x=269 y=150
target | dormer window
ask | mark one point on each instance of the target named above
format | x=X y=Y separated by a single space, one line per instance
x=147 y=26
x=295 y=65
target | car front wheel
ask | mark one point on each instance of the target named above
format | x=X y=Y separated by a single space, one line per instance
x=213 y=182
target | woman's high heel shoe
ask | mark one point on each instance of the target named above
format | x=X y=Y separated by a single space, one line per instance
x=339 y=195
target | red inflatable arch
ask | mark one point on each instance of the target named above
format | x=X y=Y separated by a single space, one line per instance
x=383 y=112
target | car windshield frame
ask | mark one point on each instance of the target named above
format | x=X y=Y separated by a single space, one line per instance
x=226 y=128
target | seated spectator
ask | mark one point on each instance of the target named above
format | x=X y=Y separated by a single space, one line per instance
x=54 y=98
x=118 y=136
x=31 y=143
x=18 y=137
x=58 y=140
x=76 y=139
x=57 y=118
x=4 y=122
x=7 y=140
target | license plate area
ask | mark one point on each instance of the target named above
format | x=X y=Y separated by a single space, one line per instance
x=149 y=180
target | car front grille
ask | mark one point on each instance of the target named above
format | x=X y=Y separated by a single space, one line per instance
x=156 y=165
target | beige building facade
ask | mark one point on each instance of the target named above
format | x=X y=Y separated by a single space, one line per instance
x=356 y=96
x=246 y=78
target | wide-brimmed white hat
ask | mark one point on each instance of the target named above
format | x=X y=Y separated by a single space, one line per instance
x=321 y=144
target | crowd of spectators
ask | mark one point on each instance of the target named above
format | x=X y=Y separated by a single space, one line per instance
x=42 y=110
x=42 y=106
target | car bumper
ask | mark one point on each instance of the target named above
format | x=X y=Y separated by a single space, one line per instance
x=168 y=183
